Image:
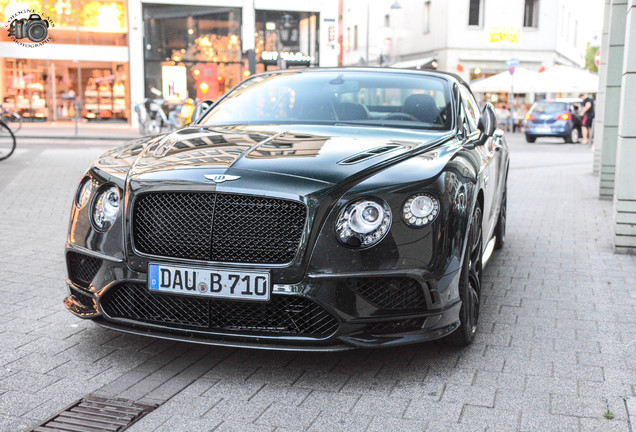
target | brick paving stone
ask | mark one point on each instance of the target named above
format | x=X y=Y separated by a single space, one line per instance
x=419 y=390
x=230 y=426
x=236 y=410
x=292 y=418
x=494 y=419
x=473 y=395
x=544 y=422
x=330 y=422
x=286 y=395
x=380 y=405
x=383 y=424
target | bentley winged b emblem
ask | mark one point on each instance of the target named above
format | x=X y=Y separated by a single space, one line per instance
x=220 y=178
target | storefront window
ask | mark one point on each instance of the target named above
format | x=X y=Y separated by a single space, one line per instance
x=288 y=38
x=47 y=90
x=192 y=52
x=99 y=22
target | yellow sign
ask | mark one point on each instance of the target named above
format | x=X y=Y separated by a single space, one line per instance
x=505 y=34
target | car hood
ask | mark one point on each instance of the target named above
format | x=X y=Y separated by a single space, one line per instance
x=301 y=155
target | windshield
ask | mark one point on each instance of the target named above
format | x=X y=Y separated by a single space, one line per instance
x=550 y=107
x=339 y=97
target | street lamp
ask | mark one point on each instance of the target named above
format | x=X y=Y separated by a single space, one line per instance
x=395 y=6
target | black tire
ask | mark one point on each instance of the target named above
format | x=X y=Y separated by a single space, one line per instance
x=530 y=139
x=573 y=136
x=7 y=141
x=500 y=229
x=469 y=285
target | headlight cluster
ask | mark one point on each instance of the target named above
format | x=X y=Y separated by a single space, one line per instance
x=420 y=209
x=105 y=204
x=363 y=223
x=84 y=192
x=106 y=207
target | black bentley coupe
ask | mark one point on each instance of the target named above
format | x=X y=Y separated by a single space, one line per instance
x=315 y=209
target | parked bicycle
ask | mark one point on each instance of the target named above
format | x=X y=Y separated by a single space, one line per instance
x=11 y=119
x=7 y=141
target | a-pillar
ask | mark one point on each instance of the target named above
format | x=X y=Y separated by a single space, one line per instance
x=617 y=17
x=600 y=96
x=625 y=190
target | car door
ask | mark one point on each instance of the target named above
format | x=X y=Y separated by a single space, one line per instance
x=488 y=171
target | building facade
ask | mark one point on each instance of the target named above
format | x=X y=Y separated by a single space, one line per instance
x=103 y=56
x=473 y=38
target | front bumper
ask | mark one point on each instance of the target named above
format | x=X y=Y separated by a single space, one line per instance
x=320 y=313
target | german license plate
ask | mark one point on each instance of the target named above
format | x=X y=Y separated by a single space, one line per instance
x=209 y=282
x=543 y=130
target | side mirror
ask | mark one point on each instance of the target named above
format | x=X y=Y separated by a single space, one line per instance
x=200 y=109
x=487 y=123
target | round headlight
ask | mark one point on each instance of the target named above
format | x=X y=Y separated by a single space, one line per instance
x=363 y=223
x=106 y=207
x=84 y=192
x=420 y=209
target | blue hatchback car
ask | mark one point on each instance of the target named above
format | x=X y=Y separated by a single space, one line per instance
x=554 y=118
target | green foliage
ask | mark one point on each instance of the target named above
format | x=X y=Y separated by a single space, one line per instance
x=608 y=415
x=589 y=58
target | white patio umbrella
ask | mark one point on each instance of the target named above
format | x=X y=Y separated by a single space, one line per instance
x=565 y=79
x=522 y=81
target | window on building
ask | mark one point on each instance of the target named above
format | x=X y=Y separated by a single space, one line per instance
x=387 y=20
x=355 y=37
x=563 y=21
x=531 y=13
x=426 y=27
x=348 y=38
x=474 y=13
x=576 y=31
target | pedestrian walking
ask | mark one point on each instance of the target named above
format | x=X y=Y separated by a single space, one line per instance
x=587 y=114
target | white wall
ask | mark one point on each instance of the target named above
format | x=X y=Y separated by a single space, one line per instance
x=454 y=41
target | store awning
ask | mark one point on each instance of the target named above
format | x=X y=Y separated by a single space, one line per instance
x=565 y=79
x=522 y=81
x=414 y=64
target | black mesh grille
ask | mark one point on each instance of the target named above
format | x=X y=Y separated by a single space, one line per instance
x=218 y=227
x=82 y=268
x=84 y=299
x=282 y=315
x=390 y=293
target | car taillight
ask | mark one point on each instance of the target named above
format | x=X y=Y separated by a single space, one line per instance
x=529 y=117
x=564 y=116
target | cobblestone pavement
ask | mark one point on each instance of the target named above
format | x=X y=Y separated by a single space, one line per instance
x=555 y=350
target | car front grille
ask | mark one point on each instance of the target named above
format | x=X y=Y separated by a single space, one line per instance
x=218 y=227
x=392 y=293
x=82 y=268
x=282 y=315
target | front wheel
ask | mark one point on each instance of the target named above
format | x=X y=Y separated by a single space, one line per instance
x=7 y=141
x=469 y=285
x=573 y=136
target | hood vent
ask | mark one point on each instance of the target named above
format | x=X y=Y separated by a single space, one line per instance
x=368 y=154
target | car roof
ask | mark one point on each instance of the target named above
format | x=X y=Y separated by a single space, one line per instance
x=426 y=72
x=561 y=100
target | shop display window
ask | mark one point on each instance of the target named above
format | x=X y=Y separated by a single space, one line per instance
x=86 y=22
x=286 y=32
x=192 y=52
x=46 y=90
